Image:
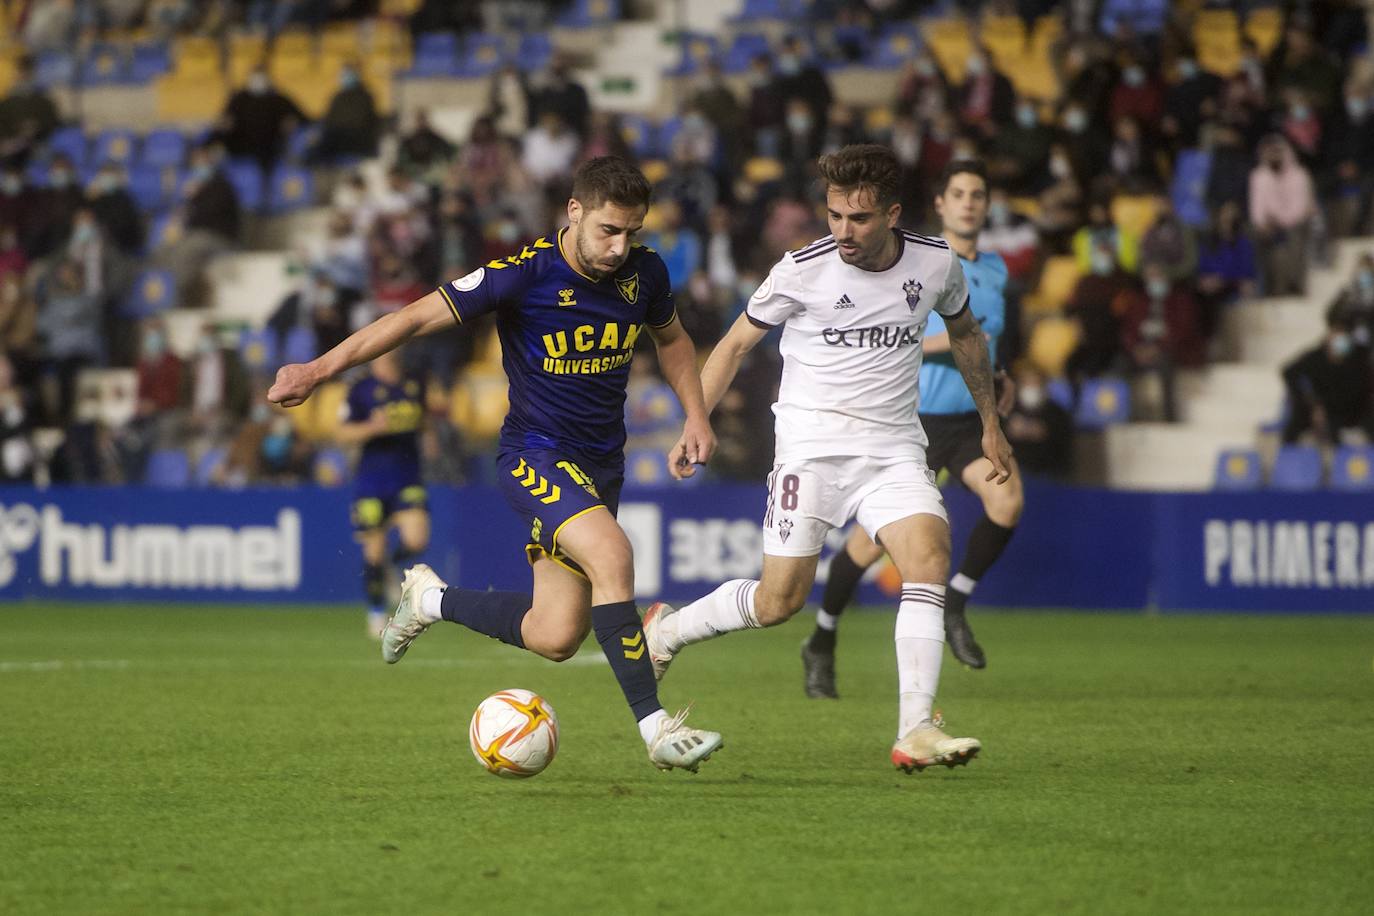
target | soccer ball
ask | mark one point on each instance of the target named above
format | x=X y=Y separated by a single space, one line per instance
x=514 y=733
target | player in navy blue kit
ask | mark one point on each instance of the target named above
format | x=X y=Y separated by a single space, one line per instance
x=569 y=310
x=384 y=413
x=955 y=429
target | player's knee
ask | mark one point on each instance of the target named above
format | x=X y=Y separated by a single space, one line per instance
x=560 y=645
x=1004 y=508
x=773 y=609
x=613 y=566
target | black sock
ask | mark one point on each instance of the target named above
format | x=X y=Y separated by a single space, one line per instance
x=403 y=557
x=374 y=585
x=494 y=614
x=621 y=636
x=840 y=584
x=985 y=545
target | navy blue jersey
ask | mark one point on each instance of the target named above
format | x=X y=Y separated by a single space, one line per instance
x=392 y=461
x=566 y=342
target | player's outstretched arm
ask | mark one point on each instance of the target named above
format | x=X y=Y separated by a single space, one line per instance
x=677 y=358
x=970 y=350
x=296 y=381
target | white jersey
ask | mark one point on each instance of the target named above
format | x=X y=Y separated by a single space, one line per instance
x=852 y=346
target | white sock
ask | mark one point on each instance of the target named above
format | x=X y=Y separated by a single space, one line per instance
x=648 y=726
x=431 y=600
x=730 y=607
x=827 y=621
x=920 y=639
x=962 y=583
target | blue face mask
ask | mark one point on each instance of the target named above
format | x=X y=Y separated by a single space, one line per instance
x=1187 y=69
x=1157 y=289
x=153 y=344
x=1025 y=116
x=1365 y=279
x=1341 y=345
x=348 y=79
x=789 y=65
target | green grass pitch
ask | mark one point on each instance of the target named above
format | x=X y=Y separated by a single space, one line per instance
x=208 y=760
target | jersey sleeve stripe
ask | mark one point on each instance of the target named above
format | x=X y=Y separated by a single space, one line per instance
x=816 y=244
x=763 y=325
x=961 y=311
x=819 y=252
x=664 y=324
x=452 y=306
x=922 y=240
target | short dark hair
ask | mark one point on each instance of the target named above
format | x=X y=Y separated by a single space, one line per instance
x=961 y=167
x=610 y=178
x=862 y=167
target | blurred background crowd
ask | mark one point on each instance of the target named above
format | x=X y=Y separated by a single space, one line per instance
x=1155 y=167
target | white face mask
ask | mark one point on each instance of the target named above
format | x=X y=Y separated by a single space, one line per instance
x=1031 y=397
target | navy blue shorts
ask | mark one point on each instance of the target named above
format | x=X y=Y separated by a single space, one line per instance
x=548 y=489
x=373 y=506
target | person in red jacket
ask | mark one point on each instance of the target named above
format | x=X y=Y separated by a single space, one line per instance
x=1160 y=331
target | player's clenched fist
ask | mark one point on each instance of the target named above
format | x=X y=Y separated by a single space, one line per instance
x=294 y=384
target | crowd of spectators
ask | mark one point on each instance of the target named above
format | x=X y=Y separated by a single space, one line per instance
x=1245 y=180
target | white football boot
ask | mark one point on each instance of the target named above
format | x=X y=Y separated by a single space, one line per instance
x=659 y=653
x=926 y=745
x=676 y=745
x=408 y=623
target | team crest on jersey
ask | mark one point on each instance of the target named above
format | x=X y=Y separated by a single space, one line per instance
x=913 y=294
x=565 y=298
x=629 y=287
x=784 y=529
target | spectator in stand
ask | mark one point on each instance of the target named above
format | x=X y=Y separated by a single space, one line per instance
x=843 y=129
x=923 y=90
x=1330 y=390
x=115 y=209
x=1101 y=232
x=1300 y=124
x=424 y=147
x=266 y=449
x=1160 y=332
x=800 y=79
x=1189 y=100
x=1134 y=168
x=1061 y=198
x=161 y=374
x=484 y=163
x=717 y=102
x=1095 y=305
x=1039 y=430
x=219 y=386
x=16 y=427
x=1168 y=243
x=342 y=256
x=1248 y=87
x=351 y=126
x=678 y=245
x=69 y=321
x=766 y=106
x=1349 y=150
x=550 y=150
x=1226 y=268
x=28 y=115
x=1085 y=141
x=54 y=207
x=209 y=219
x=560 y=94
x=509 y=103
x=1282 y=205
x=1012 y=236
x=1138 y=94
x=984 y=102
x=1020 y=153
x=257 y=120
x=319 y=305
x=1229 y=178
x=18 y=324
x=696 y=141
x=1300 y=63
x=603 y=138
x=13 y=260
x=720 y=254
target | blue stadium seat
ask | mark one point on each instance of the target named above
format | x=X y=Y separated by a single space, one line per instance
x=639 y=133
x=1352 y=469
x=258 y=349
x=301 y=142
x=746 y=46
x=435 y=55
x=652 y=408
x=104 y=65
x=646 y=467
x=163 y=148
x=894 y=47
x=585 y=14
x=331 y=468
x=1145 y=17
x=534 y=51
x=54 y=68
x=695 y=49
x=292 y=189
x=153 y=189
x=148 y=63
x=246 y=177
x=70 y=142
x=764 y=10
x=166 y=229
x=1103 y=402
x=1188 y=190
x=153 y=292
x=1238 y=469
x=115 y=145
x=208 y=464
x=663 y=137
x=1060 y=392
x=169 y=468
x=1296 y=468
x=300 y=345
x=482 y=54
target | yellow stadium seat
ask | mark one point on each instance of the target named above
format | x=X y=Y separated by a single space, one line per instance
x=951 y=43
x=478 y=404
x=1029 y=207
x=878 y=119
x=1057 y=280
x=1052 y=340
x=195 y=58
x=655 y=170
x=399 y=9
x=318 y=418
x=763 y=169
x=182 y=98
x=1046 y=32
x=1264 y=27
x=245 y=53
x=341 y=39
x=1133 y=213
x=378 y=80
x=1033 y=75
x=1005 y=39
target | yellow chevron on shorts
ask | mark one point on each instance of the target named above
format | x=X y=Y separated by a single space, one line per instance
x=520 y=469
x=635 y=643
x=552 y=497
x=538 y=485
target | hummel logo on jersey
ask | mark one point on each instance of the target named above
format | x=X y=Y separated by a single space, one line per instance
x=844 y=302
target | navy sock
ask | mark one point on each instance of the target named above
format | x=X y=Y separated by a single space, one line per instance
x=985 y=544
x=621 y=636
x=840 y=583
x=374 y=585
x=494 y=614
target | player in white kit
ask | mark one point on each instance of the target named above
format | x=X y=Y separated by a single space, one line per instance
x=854 y=305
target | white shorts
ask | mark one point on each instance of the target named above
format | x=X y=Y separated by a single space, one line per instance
x=808 y=498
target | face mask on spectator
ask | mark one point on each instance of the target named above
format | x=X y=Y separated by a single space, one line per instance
x=1025 y=116
x=153 y=344
x=207 y=344
x=60 y=178
x=975 y=66
x=789 y=65
x=1341 y=345
x=104 y=183
x=1076 y=120
x=1133 y=77
x=1300 y=111
x=1187 y=69
x=799 y=122
x=82 y=233
x=258 y=83
x=201 y=172
x=12 y=184
x=507 y=232
x=1157 y=288
x=925 y=68
x=998 y=214
x=694 y=121
x=260 y=413
x=1031 y=397
x=1060 y=168
x=1103 y=263
x=348 y=79
x=1365 y=279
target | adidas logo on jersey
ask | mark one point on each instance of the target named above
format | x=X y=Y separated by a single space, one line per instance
x=844 y=302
